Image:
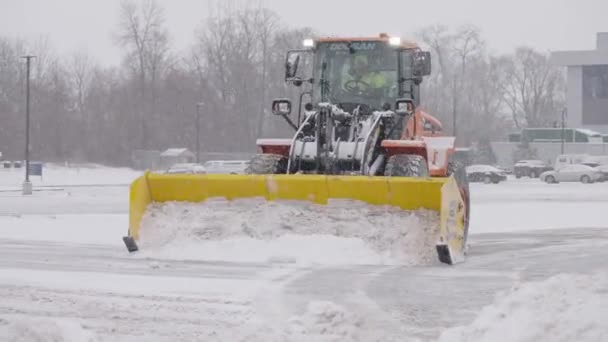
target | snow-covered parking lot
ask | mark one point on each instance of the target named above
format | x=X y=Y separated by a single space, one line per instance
x=536 y=271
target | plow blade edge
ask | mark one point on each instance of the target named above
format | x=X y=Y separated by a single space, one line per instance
x=438 y=194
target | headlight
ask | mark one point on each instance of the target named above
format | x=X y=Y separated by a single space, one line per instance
x=308 y=43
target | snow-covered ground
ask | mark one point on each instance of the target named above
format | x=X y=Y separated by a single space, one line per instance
x=57 y=175
x=535 y=271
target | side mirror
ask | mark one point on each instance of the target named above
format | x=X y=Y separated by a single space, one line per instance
x=421 y=63
x=281 y=107
x=291 y=65
x=404 y=106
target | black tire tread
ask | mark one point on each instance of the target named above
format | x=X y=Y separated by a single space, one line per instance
x=267 y=164
x=406 y=165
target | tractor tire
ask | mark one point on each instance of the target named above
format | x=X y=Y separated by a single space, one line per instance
x=267 y=164
x=460 y=175
x=406 y=165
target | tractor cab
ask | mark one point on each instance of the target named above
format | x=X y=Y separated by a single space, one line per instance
x=355 y=74
x=364 y=74
x=362 y=92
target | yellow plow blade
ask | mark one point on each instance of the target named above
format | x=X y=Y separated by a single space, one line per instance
x=437 y=194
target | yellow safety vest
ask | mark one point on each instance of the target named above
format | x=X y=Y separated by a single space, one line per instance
x=375 y=80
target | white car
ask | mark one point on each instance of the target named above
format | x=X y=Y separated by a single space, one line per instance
x=226 y=166
x=603 y=169
x=187 y=168
x=572 y=173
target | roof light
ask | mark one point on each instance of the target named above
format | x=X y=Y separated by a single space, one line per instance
x=394 y=41
x=308 y=43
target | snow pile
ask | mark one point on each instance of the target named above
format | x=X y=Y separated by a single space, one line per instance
x=43 y=330
x=322 y=321
x=342 y=232
x=325 y=321
x=328 y=321
x=561 y=308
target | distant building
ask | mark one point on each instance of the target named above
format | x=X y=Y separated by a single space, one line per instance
x=174 y=156
x=556 y=135
x=546 y=144
x=587 y=74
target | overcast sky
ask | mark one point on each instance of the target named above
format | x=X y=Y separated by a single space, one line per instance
x=547 y=25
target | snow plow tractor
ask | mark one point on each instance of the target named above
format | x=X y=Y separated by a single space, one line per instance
x=361 y=136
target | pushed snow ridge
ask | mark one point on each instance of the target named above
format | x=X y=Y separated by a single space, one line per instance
x=254 y=230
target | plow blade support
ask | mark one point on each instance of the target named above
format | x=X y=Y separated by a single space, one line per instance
x=438 y=194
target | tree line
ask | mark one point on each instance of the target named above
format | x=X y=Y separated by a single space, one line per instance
x=234 y=67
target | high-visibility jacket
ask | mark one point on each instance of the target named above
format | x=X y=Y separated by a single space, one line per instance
x=374 y=79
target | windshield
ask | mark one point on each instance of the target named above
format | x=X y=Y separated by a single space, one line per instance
x=356 y=73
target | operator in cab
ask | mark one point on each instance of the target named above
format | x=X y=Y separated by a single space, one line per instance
x=360 y=78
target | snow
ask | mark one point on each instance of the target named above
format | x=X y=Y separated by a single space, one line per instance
x=253 y=230
x=523 y=204
x=56 y=175
x=565 y=307
x=589 y=132
x=127 y=284
x=253 y=271
x=24 y=329
x=106 y=229
x=176 y=152
x=326 y=321
x=273 y=142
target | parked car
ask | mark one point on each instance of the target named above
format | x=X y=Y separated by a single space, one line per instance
x=530 y=168
x=186 y=168
x=485 y=173
x=506 y=170
x=603 y=170
x=585 y=159
x=226 y=166
x=572 y=173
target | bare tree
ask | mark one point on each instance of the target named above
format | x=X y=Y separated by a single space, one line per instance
x=11 y=90
x=80 y=70
x=439 y=40
x=531 y=86
x=266 y=23
x=467 y=43
x=235 y=65
x=445 y=89
x=142 y=31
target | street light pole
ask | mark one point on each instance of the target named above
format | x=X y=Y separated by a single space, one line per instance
x=454 y=109
x=27 y=185
x=198 y=142
x=563 y=128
